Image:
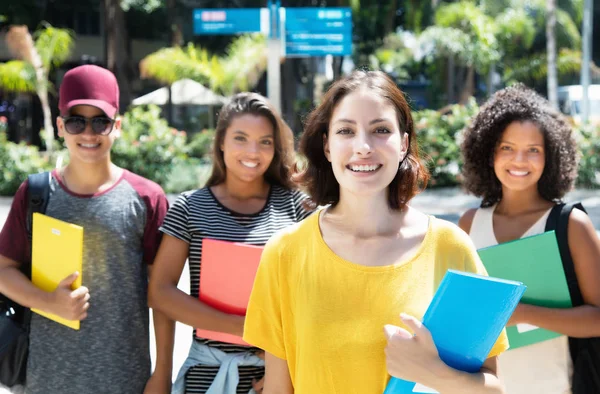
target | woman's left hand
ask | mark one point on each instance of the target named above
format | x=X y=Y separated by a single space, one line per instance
x=411 y=357
x=518 y=315
x=258 y=385
x=158 y=384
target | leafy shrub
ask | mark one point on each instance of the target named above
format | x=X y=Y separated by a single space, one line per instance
x=16 y=162
x=438 y=135
x=3 y=124
x=148 y=146
x=200 y=145
x=589 y=165
x=188 y=175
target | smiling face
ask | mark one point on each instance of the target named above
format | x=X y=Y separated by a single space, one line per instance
x=88 y=147
x=248 y=147
x=364 y=143
x=519 y=158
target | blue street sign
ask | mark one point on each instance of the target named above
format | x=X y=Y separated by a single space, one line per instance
x=318 y=31
x=229 y=21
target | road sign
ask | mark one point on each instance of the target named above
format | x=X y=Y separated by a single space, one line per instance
x=317 y=31
x=230 y=21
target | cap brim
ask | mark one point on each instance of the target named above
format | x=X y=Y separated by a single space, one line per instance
x=105 y=107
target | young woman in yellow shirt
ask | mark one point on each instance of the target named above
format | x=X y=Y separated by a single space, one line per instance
x=328 y=285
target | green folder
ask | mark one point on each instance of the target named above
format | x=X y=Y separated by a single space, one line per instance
x=536 y=262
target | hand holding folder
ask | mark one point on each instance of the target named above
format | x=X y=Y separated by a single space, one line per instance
x=57 y=252
x=465 y=318
x=227 y=274
x=536 y=262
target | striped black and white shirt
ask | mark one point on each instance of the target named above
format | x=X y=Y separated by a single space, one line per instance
x=197 y=215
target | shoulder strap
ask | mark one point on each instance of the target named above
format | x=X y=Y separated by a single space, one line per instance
x=558 y=220
x=38 y=194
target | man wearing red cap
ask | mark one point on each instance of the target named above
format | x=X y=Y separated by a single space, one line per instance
x=120 y=213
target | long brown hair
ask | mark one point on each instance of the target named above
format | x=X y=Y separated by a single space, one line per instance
x=317 y=176
x=280 y=169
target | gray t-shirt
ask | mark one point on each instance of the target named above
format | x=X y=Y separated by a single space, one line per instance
x=110 y=352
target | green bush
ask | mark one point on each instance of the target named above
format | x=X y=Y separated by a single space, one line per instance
x=438 y=135
x=589 y=165
x=200 y=145
x=188 y=175
x=3 y=124
x=16 y=162
x=148 y=146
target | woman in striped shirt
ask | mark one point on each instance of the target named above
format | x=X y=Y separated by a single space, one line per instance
x=248 y=197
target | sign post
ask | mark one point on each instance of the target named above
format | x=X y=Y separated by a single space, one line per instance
x=301 y=32
x=274 y=56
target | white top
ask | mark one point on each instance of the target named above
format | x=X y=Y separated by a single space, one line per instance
x=541 y=368
x=482 y=228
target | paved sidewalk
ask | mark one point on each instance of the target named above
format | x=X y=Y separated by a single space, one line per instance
x=447 y=204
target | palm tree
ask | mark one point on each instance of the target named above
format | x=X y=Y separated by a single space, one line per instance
x=239 y=69
x=464 y=35
x=243 y=65
x=551 y=56
x=507 y=36
x=551 y=52
x=29 y=74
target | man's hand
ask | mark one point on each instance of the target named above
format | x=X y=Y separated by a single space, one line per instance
x=68 y=303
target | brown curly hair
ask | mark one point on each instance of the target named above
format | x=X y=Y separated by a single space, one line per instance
x=518 y=104
x=317 y=176
x=280 y=169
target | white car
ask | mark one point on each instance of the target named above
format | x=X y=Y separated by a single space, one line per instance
x=570 y=102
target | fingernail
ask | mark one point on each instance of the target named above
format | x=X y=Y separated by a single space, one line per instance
x=404 y=316
x=389 y=330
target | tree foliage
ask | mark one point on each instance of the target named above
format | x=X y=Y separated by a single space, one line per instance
x=239 y=69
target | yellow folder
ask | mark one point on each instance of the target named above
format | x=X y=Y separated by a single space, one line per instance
x=57 y=252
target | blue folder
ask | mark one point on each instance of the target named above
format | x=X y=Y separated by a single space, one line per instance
x=465 y=318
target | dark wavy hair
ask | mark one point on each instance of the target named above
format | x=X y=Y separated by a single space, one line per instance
x=317 y=177
x=518 y=104
x=280 y=169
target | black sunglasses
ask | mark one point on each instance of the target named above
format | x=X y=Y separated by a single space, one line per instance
x=101 y=125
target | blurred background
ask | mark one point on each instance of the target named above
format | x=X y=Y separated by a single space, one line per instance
x=175 y=73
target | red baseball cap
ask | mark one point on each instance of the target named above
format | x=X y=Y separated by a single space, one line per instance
x=89 y=85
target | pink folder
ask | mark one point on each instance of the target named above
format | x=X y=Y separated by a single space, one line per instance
x=227 y=274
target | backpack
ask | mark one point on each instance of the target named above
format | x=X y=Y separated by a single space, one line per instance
x=14 y=318
x=585 y=352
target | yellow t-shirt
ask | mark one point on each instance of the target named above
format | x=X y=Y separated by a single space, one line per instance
x=325 y=315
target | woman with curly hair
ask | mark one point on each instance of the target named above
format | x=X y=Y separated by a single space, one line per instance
x=520 y=157
x=327 y=286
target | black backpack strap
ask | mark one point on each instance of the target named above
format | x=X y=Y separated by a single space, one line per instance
x=38 y=194
x=585 y=352
x=559 y=222
x=552 y=221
